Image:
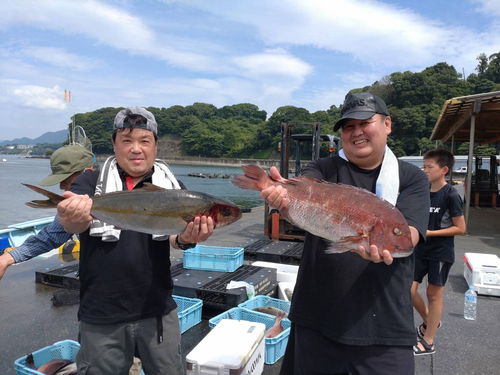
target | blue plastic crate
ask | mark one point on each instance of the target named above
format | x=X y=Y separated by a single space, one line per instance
x=276 y=346
x=66 y=349
x=262 y=301
x=188 y=311
x=213 y=258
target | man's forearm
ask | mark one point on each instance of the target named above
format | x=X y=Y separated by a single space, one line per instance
x=73 y=228
x=415 y=236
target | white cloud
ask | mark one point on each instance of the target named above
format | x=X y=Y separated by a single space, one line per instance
x=489 y=8
x=60 y=57
x=322 y=99
x=359 y=78
x=107 y=25
x=374 y=33
x=41 y=97
x=265 y=64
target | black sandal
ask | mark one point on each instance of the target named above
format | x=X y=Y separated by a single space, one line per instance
x=421 y=334
x=428 y=349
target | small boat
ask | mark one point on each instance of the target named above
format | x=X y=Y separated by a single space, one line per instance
x=4 y=159
x=14 y=235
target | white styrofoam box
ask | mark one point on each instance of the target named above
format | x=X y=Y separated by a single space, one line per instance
x=284 y=272
x=231 y=347
x=482 y=271
x=282 y=286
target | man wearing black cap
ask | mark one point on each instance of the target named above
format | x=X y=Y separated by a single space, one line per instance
x=67 y=163
x=353 y=313
x=126 y=304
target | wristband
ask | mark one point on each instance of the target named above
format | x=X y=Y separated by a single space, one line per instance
x=183 y=246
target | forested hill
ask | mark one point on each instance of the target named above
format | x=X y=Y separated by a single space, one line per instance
x=414 y=101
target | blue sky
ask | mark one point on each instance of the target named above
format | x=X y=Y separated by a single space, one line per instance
x=306 y=53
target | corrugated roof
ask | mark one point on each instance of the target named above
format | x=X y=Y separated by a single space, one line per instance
x=455 y=119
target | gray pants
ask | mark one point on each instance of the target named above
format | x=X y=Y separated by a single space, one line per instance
x=109 y=349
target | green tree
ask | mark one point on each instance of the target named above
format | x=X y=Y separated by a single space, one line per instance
x=242 y=111
x=494 y=67
x=201 y=110
x=463 y=149
x=482 y=65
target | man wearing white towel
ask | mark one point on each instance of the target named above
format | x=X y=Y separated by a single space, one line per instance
x=352 y=312
x=126 y=304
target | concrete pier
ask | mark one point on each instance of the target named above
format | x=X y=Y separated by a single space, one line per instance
x=28 y=320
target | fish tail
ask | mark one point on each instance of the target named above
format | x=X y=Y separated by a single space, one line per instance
x=52 y=202
x=30 y=361
x=255 y=178
x=281 y=315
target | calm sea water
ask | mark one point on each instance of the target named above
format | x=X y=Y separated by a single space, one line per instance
x=17 y=170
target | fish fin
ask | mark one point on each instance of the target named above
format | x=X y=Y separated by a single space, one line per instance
x=30 y=361
x=52 y=202
x=346 y=244
x=41 y=204
x=281 y=315
x=302 y=179
x=189 y=218
x=255 y=178
x=150 y=187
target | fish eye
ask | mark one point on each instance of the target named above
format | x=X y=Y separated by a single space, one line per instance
x=226 y=212
x=397 y=232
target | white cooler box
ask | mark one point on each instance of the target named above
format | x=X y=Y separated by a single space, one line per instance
x=482 y=271
x=233 y=347
x=284 y=272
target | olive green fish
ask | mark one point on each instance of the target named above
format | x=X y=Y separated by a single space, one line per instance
x=152 y=209
x=271 y=311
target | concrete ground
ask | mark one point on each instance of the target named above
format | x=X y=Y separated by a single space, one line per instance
x=28 y=320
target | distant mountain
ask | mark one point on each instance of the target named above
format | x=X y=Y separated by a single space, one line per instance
x=49 y=137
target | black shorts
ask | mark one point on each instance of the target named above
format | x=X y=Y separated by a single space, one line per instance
x=437 y=271
x=309 y=352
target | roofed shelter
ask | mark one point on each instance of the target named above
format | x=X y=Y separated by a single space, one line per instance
x=474 y=118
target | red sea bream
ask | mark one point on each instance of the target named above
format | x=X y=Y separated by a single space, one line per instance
x=346 y=215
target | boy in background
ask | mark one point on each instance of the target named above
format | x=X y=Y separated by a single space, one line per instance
x=436 y=256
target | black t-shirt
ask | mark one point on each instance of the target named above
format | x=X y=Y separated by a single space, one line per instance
x=349 y=299
x=445 y=205
x=125 y=280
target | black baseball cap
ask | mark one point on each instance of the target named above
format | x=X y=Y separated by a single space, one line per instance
x=361 y=106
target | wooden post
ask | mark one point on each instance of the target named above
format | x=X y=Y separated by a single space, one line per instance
x=275 y=228
x=476 y=110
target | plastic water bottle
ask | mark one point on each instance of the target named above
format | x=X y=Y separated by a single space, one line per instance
x=470 y=304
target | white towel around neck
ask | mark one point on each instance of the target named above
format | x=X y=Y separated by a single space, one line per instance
x=387 y=186
x=109 y=181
